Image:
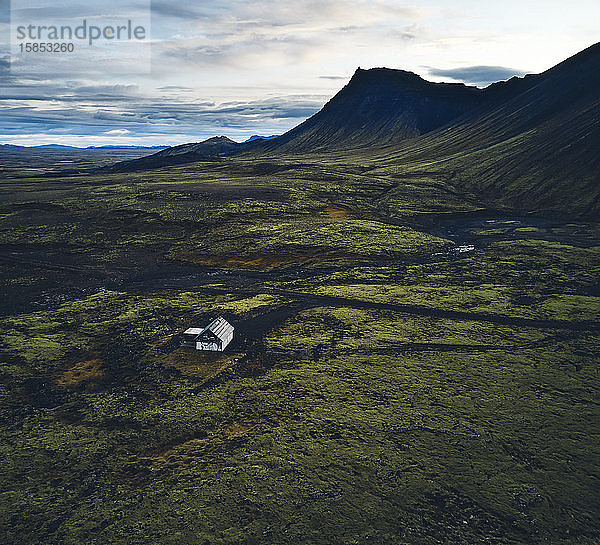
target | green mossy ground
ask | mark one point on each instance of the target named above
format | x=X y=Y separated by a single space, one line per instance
x=345 y=412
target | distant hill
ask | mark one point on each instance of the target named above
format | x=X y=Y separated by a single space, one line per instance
x=63 y=161
x=212 y=149
x=127 y=147
x=257 y=137
x=54 y=146
x=46 y=146
x=61 y=147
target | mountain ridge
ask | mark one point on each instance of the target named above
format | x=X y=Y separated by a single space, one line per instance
x=536 y=150
x=528 y=143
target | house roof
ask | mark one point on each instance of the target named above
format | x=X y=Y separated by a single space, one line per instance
x=194 y=331
x=219 y=328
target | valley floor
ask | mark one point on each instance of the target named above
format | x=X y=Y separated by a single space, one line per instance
x=404 y=371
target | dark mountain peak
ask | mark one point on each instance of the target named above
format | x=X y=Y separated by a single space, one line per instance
x=219 y=140
x=376 y=80
x=376 y=77
x=383 y=75
x=381 y=106
x=213 y=149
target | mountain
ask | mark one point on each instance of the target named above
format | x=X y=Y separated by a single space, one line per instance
x=377 y=107
x=380 y=107
x=383 y=107
x=257 y=137
x=526 y=144
x=536 y=150
x=61 y=147
x=132 y=147
x=54 y=146
x=212 y=149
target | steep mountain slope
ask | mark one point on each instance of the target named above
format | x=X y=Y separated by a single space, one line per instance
x=539 y=150
x=380 y=107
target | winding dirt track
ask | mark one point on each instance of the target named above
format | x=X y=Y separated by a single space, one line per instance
x=256 y=327
x=327 y=300
x=252 y=284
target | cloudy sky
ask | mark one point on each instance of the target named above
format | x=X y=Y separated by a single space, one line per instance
x=244 y=67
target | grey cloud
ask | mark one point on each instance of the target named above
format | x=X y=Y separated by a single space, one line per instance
x=232 y=17
x=15 y=89
x=238 y=34
x=151 y=117
x=175 y=88
x=259 y=50
x=478 y=75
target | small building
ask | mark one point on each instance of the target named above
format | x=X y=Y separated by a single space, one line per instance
x=214 y=337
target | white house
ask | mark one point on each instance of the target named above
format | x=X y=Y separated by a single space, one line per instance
x=214 y=337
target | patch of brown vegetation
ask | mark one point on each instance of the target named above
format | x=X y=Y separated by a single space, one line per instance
x=214 y=441
x=337 y=213
x=198 y=364
x=198 y=446
x=83 y=374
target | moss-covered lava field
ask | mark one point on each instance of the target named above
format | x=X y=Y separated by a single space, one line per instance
x=410 y=367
